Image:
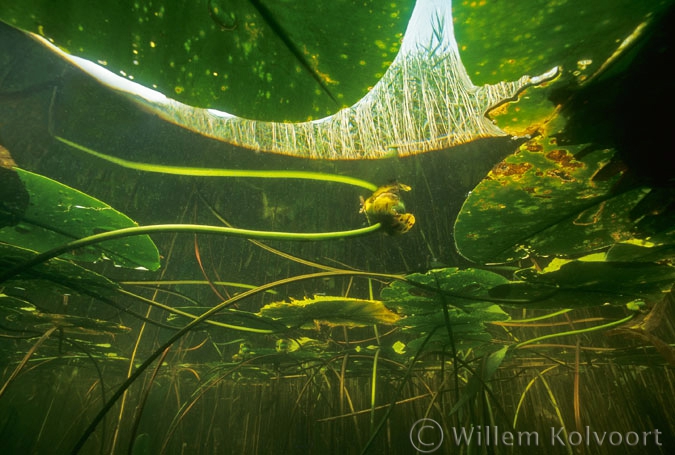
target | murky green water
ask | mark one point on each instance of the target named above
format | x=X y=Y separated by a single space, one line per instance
x=527 y=310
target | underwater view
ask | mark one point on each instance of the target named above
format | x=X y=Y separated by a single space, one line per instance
x=354 y=227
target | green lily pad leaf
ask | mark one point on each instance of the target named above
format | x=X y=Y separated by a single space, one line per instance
x=260 y=59
x=421 y=101
x=420 y=301
x=460 y=288
x=332 y=311
x=58 y=214
x=498 y=41
x=56 y=274
x=543 y=200
x=567 y=284
x=466 y=323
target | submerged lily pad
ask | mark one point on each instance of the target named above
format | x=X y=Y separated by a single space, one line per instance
x=423 y=292
x=575 y=283
x=625 y=252
x=465 y=295
x=58 y=214
x=329 y=310
x=60 y=274
x=19 y=314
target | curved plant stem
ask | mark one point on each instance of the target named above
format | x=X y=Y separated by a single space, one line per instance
x=529 y=385
x=143 y=401
x=178 y=312
x=537 y=318
x=373 y=390
x=263 y=245
x=556 y=407
x=208 y=172
x=176 y=336
x=152 y=283
x=192 y=228
x=390 y=407
x=28 y=355
x=576 y=332
x=132 y=361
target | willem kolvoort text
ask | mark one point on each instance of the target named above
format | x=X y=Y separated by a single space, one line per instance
x=557 y=436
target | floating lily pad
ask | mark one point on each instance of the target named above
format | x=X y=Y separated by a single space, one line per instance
x=256 y=59
x=545 y=200
x=501 y=39
x=58 y=214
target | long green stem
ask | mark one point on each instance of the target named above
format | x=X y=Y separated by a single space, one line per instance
x=185 y=314
x=192 y=228
x=208 y=172
x=575 y=332
x=373 y=390
x=152 y=283
x=540 y=318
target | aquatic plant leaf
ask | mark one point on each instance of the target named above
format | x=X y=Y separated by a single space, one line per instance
x=498 y=40
x=454 y=286
x=329 y=310
x=545 y=201
x=465 y=293
x=629 y=252
x=284 y=61
x=575 y=283
x=56 y=274
x=59 y=214
x=489 y=365
x=468 y=328
x=424 y=100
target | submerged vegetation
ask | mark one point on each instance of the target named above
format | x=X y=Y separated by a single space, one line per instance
x=541 y=301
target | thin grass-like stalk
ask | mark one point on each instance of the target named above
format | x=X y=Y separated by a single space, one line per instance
x=556 y=407
x=527 y=388
x=25 y=359
x=143 y=401
x=575 y=332
x=373 y=390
